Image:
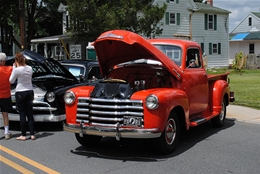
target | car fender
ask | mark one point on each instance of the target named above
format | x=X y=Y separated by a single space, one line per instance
x=168 y=99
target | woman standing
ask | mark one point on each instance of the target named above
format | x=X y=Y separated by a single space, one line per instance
x=24 y=94
x=5 y=94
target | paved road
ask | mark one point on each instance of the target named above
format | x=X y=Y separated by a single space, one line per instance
x=203 y=150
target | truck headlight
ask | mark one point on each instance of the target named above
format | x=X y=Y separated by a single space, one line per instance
x=50 y=97
x=69 y=97
x=152 y=102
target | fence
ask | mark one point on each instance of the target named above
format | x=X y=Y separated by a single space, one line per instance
x=252 y=61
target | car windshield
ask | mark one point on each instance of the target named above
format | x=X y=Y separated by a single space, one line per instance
x=171 y=51
x=75 y=70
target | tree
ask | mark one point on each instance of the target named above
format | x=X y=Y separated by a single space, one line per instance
x=89 y=18
x=41 y=19
x=8 y=24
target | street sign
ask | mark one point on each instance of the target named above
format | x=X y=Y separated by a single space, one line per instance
x=75 y=51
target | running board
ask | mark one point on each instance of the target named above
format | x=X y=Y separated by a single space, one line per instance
x=202 y=119
x=197 y=121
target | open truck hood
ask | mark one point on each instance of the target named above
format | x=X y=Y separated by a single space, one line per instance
x=43 y=66
x=119 y=46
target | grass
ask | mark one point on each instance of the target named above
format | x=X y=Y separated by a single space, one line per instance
x=245 y=84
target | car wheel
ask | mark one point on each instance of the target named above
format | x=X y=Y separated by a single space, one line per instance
x=219 y=120
x=88 y=140
x=168 y=141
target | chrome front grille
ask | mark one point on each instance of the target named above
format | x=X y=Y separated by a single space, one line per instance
x=108 y=112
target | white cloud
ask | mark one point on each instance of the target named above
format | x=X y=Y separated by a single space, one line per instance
x=238 y=8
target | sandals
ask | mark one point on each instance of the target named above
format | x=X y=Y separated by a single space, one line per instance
x=22 y=138
x=33 y=137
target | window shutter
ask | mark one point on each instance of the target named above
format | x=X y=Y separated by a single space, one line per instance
x=167 y=18
x=167 y=1
x=215 y=22
x=206 y=21
x=219 y=48
x=202 y=47
x=177 y=1
x=178 y=19
x=210 y=48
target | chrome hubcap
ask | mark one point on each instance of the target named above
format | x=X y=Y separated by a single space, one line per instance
x=170 y=131
x=222 y=113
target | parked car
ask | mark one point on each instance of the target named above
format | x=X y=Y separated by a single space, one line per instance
x=50 y=81
x=83 y=70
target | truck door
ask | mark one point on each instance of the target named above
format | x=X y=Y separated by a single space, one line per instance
x=196 y=82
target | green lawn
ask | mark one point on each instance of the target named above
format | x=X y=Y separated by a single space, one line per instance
x=246 y=85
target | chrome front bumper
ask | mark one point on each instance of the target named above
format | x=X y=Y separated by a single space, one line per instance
x=45 y=113
x=39 y=117
x=117 y=132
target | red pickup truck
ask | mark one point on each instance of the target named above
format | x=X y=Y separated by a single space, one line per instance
x=151 y=89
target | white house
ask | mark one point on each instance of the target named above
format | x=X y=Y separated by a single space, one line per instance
x=245 y=36
x=203 y=23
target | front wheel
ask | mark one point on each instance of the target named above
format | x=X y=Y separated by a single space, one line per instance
x=168 y=141
x=219 y=120
x=88 y=140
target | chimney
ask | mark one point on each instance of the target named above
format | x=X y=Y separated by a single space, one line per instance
x=210 y=2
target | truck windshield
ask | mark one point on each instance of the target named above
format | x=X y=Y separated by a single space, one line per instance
x=171 y=51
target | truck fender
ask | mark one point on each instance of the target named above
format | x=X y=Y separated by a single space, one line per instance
x=219 y=91
x=175 y=101
x=170 y=100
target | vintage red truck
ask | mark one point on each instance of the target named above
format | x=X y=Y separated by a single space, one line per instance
x=151 y=89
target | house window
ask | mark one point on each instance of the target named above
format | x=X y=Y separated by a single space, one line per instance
x=172 y=0
x=172 y=18
x=202 y=47
x=214 y=48
x=251 y=48
x=210 y=22
x=250 y=21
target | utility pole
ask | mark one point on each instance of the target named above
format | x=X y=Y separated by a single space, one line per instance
x=22 y=24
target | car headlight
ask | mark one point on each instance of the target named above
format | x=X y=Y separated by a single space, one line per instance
x=69 y=97
x=50 y=97
x=152 y=102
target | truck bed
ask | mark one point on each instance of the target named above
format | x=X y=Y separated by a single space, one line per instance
x=213 y=77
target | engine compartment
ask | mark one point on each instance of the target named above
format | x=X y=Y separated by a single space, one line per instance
x=122 y=82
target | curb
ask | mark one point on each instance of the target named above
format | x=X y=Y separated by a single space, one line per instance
x=244 y=114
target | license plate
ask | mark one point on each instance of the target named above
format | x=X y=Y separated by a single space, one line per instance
x=132 y=121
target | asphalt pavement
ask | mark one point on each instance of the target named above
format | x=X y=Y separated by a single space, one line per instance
x=244 y=114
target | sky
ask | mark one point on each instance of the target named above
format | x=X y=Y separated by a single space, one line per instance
x=238 y=8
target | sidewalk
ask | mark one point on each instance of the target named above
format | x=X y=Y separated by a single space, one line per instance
x=244 y=114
